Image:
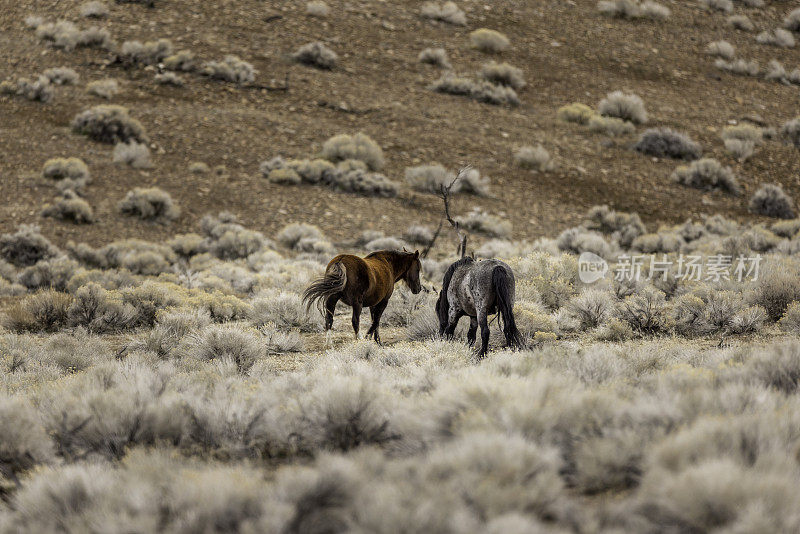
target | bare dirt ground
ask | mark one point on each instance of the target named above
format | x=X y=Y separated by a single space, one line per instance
x=568 y=51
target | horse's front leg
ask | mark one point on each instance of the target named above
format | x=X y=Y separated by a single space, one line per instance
x=376 y=312
x=356 y=317
x=484 y=324
x=473 y=329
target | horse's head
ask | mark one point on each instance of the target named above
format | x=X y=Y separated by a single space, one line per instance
x=412 y=273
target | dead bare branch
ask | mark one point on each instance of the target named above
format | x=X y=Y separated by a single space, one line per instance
x=444 y=194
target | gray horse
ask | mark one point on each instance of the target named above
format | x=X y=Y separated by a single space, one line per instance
x=478 y=289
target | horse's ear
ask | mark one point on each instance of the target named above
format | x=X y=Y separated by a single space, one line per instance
x=416 y=253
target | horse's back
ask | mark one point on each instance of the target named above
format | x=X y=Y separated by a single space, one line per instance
x=473 y=285
x=368 y=278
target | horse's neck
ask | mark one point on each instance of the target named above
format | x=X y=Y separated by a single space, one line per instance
x=398 y=263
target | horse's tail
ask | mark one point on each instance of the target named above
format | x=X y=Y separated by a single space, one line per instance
x=502 y=287
x=333 y=282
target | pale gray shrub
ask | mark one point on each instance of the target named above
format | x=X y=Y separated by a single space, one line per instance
x=385 y=243
x=741 y=150
x=473 y=183
x=749 y=320
x=790 y=131
x=40 y=90
x=447 y=12
x=666 y=143
x=359 y=147
x=311 y=171
x=741 y=22
x=61 y=76
x=790 y=321
x=26 y=246
x=283 y=310
x=33 y=22
x=578 y=240
x=536 y=158
x=482 y=91
x=707 y=174
x=66 y=35
x=726 y=6
x=317 y=8
x=624 y=227
x=317 y=55
x=779 y=37
x=776 y=287
x=71 y=209
x=184 y=61
x=230 y=69
x=109 y=124
x=152 y=204
x=65 y=168
x=772 y=201
x=224 y=343
x=418 y=234
x=483 y=223
x=489 y=41
x=198 y=167
x=148 y=53
x=778 y=367
x=370 y=184
x=430 y=178
x=137 y=155
x=25 y=443
x=655 y=11
x=53 y=273
x=610 y=126
x=94 y=10
x=792 y=20
x=722 y=49
x=345 y=413
x=435 y=56
x=786 y=229
x=628 y=107
x=776 y=72
x=279 y=342
x=591 y=308
x=290 y=235
x=93 y=308
x=741 y=67
x=168 y=78
x=645 y=311
x=502 y=74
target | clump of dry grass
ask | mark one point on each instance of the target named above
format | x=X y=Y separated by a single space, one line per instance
x=666 y=143
x=317 y=55
x=448 y=12
x=151 y=204
x=575 y=112
x=40 y=90
x=489 y=41
x=610 y=126
x=168 y=78
x=725 y=6
x=148 y=53
x=65 y=168
x=630 y=9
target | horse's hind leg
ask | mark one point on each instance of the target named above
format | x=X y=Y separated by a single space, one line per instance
x=452 y=322
x=484 y=324
x=376 y=312
x=356 y=317
x=473 y=330
x=330 y=307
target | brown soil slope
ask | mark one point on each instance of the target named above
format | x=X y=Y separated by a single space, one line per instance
x=568 y=51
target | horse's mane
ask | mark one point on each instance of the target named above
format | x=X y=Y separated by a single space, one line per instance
x=442 y=305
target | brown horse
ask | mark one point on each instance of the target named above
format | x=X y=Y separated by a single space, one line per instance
x=360 y=282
